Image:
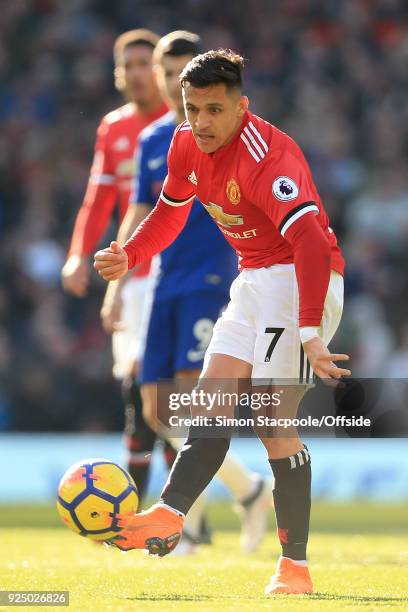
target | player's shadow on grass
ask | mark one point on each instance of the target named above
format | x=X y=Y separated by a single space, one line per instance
x=169 y=597
x=318 y=596
x=360 y=598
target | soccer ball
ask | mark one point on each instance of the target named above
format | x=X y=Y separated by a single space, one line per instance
x=91 y=493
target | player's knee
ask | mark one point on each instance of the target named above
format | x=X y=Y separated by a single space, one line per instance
x=280 y=447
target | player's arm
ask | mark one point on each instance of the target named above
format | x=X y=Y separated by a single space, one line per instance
x=155 y=234
x=312 y=259
x=160 y=228
x=92 y=219
x=294 y=214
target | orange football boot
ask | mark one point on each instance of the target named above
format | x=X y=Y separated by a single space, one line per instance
x=157 y=529
x=290 y=578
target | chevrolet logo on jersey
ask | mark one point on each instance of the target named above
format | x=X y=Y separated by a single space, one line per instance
x=221 y=217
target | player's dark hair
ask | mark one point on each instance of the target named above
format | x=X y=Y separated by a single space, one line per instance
x=175 y=44
x=213 y=67
x=131 y=39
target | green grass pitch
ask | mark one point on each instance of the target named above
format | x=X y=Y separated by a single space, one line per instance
x=358 y=559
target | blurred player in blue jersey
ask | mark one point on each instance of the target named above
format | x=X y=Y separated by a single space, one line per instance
x=191 y=281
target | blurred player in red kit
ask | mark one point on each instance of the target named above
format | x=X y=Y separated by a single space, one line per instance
x=285 y=305
x=109 y=187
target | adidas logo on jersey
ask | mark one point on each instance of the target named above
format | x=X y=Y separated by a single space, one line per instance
x=192 y=178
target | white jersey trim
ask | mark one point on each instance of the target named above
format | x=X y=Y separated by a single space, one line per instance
x=258 y=134
x=297 y=215
x=102 y=179
x=254 y=142
x=250 y=149
x=173 y=203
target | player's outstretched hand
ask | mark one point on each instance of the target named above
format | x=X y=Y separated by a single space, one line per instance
x=111 y=263
x=322 y=361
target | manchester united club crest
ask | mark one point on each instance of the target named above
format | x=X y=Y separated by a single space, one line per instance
x=233 y=192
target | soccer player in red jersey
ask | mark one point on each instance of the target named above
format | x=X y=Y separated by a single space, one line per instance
x=112 y=171
x=285 y=305
x=109 y=187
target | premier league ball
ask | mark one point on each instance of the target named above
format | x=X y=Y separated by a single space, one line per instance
x=90 y=495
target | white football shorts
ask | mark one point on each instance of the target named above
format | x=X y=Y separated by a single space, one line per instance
x=125 y=342
x=261 y=325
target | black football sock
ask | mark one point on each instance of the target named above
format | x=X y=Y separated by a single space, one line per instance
x=139 y=438
x=204 y=536
x=292 y=493
x=195 y=466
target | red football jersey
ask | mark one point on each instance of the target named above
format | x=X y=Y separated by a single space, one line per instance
x=255 y=188
x=111 y=177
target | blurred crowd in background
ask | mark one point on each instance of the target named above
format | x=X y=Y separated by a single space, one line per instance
x=331 y=73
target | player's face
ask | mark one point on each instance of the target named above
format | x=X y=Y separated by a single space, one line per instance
x=167 y=73
x=139 y=82
x=214 y=113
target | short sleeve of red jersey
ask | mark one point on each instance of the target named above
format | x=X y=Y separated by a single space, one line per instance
x=283 y=188
x=177 y=190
